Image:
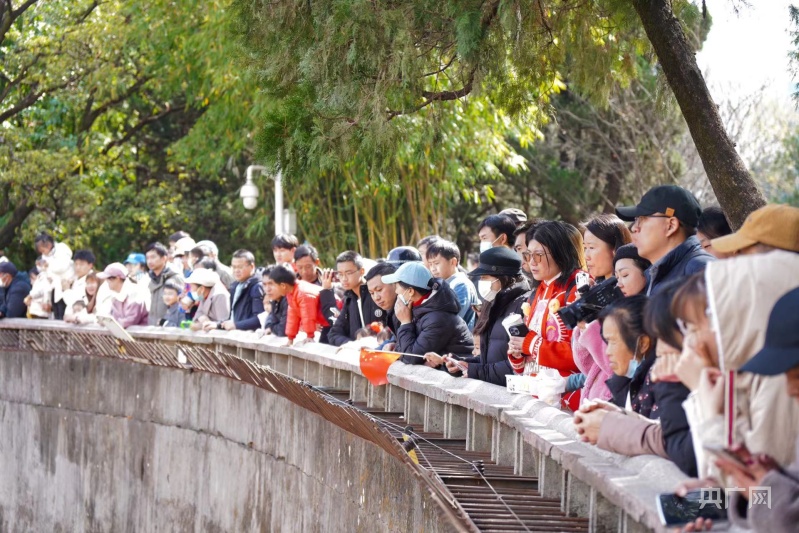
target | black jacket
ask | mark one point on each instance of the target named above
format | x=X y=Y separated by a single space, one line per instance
x=639 y=386
x=435 y=327
x=349 y=319
x=276 y=321
x=327 y=303
x=676 y=432
x=12 y=298
x=492 y=365
x=249 y=305
x=686 y=259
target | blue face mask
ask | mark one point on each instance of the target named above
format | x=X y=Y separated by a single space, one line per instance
x=634 y=363
x=632 y=367
x=195 y=297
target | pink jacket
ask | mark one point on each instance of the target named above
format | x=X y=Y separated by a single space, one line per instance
x=129 y=312
x=589 y=355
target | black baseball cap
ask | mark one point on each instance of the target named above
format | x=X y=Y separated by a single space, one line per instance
x=670 y=200
x=780 y=352
x=498 y=261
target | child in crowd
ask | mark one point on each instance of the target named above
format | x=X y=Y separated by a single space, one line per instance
x=174 y=312
x=40 y=298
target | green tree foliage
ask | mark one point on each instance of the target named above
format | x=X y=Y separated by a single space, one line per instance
x=118 y=120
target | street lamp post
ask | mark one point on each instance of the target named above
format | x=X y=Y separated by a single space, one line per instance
x=249 y=194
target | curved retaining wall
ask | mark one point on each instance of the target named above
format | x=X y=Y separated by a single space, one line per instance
x=93 y=443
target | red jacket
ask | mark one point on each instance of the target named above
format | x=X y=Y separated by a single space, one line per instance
x=304 y=312
x=549 y=341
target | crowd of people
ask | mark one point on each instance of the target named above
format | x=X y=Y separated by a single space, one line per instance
x=667 y=332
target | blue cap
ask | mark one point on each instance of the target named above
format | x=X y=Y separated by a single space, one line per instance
x=780 y=351
x=413 y=274
x=136 y=258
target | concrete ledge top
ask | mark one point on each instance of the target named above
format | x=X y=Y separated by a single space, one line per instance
x=629 y=483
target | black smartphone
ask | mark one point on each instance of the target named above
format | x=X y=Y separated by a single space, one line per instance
x=518 y=330
x=710 y=503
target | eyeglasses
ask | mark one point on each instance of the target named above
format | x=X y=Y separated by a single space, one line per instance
x=538 y=256
x=346 y=274
x=526 y=255
x=638 y=220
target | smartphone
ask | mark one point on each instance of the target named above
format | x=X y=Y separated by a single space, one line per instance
x=724 y=453
x=518 y=330
x=677 y=511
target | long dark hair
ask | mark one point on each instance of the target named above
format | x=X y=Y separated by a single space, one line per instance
x=559 y=238
x=505 y=282
x=610 y=229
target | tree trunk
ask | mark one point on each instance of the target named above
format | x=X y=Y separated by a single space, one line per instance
x=734 y=187
x=9 y=230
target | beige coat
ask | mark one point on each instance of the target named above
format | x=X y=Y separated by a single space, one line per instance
x=217 y=306
x=741 y=293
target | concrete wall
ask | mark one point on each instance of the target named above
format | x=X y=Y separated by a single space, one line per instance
x=617 y=494
x=98 y=444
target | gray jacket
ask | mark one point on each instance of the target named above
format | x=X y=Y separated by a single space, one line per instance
x=157 y=305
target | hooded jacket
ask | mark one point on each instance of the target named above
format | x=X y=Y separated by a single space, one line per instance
x=435 y=327
x=686 y=259
x=157 y=305
x=492 y=365
x=349 y=320
x=741 y=293
x=249 y=304
x=12 y=298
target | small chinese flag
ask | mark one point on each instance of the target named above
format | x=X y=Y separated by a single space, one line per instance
x=374 y=365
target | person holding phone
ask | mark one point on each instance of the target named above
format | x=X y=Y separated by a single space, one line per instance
x=750 y=471
x=504 y=290
x=555 y=260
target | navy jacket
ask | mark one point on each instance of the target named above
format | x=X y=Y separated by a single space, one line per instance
x=12 y=298
x=435 y=327
x=276 y=321
x=637 y=386
x=676 y=432
x=349 y=319
x=249 y=305
x=492 y=365
x=686 y=259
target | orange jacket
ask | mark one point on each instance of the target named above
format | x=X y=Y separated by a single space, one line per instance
x=552 y=348
x=304 y=312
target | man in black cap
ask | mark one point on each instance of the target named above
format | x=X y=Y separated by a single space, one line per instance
x=14 y=287
x=664 y=231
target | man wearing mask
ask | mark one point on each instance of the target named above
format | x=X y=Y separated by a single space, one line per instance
x=160 y=272
x=664 y=231
x=14 y=287
x=496 y=230
x=207 y=289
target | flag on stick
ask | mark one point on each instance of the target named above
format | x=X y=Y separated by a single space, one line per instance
x=375 y=363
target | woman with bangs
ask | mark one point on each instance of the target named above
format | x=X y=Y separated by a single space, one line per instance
x=555 y=260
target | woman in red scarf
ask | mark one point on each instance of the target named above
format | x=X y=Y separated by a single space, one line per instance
x=555 y=257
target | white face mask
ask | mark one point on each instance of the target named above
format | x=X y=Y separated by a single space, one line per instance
x=485 y=245
x=484 y=287
x=404 y=300
x=2 y=283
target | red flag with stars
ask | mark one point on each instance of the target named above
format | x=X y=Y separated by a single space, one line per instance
x=375 y=363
